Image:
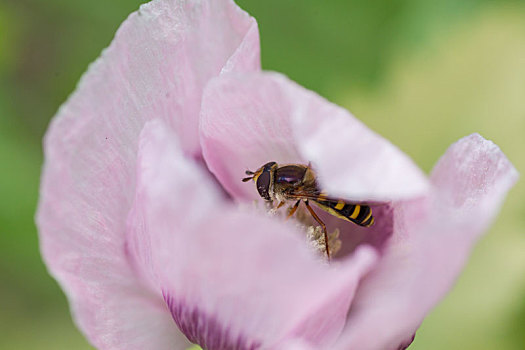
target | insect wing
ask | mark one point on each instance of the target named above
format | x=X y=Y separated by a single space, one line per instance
x=305 y=193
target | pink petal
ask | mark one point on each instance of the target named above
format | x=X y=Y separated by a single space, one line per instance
x=161 y=162
x=244 y=125
x=232 y=279
x=155 y=68
x=251 y=119
x=110 y=304
x=430 y=245
x=295 y=344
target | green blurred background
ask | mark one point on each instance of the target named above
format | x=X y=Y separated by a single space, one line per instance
x=421 y=73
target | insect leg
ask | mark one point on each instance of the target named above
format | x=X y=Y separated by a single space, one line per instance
x=323 y=226
x=293 y=209
x=280 y=204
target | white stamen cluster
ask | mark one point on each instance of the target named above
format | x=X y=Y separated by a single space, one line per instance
x=315 y=238
x=313 y=232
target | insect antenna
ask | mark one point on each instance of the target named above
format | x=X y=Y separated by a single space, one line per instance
x=248 y=172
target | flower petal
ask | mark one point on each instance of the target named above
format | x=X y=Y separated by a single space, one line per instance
x=232 y=279
x=295 y=344
x=155 y=68
x=244 y=124
x=161 y=162
x=110 y=304
x=251 y=119
x=431 y=242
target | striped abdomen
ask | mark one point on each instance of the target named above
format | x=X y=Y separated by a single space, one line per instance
x=356 y=213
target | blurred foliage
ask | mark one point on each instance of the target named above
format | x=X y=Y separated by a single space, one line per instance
x=421 y=73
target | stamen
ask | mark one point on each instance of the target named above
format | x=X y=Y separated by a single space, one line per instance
x=315 y=239
x=314 y=235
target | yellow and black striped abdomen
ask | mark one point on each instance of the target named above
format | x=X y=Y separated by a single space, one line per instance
x=356 y=213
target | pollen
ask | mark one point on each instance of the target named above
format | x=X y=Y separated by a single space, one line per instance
x=315 y=240
x=313 y=233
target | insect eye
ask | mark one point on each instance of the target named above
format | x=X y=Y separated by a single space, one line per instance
x=263 y=185
x=268 y=166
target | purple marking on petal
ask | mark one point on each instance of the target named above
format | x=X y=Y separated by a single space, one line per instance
x=406 y=344
x=205 y=330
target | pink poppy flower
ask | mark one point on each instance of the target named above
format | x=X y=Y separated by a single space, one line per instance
x=141 y=218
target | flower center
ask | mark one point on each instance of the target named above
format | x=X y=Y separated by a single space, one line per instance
x=313 y=233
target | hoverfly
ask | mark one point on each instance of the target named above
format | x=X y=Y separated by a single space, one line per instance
x=298 y=182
